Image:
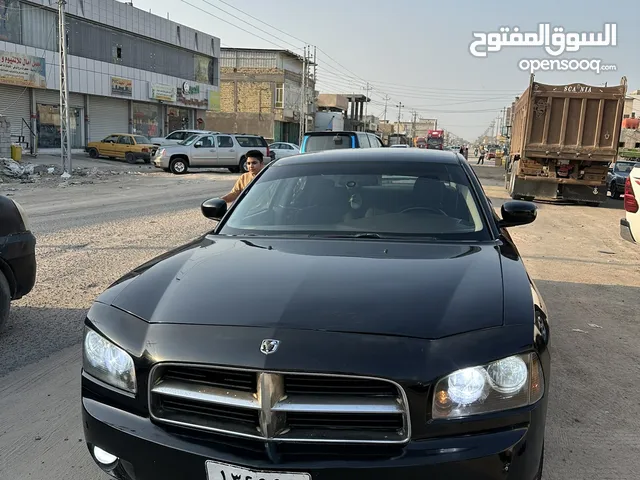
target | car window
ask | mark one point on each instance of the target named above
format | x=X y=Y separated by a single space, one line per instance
x=319 y=143
x=207 y=141
x=385 y=198
x=623 y=167
x=363 y=139
x=111 y=138
x=176 y=136
x=123 y=140
x=375 y=141
x=251 y=142
x=225 y=142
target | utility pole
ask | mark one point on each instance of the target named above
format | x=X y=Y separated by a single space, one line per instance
x=413 y=123
x=302 y=97
x=366 y=104
x=386 y=99
x=399 y=105
x=65 y=132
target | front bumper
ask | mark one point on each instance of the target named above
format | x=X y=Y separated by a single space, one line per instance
x=160 y=162
x=625 y=231
x=149 y=452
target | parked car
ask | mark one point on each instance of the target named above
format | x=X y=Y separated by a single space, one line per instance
x=284 y=149
x=220 y=150
x=123 y=146
x=617 y=176
x=630 y=225
x=399 y=335
x=177 y=136
x=399 y=145
x=321 y=141
x=17 y=255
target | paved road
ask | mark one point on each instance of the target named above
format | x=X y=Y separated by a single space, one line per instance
x=91 y=234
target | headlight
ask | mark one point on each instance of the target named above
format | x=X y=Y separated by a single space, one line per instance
x=160 y=152
x=107 y=362
x=23 y=214
x=508 y=383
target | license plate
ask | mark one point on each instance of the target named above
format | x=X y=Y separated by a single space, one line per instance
x=224 y=471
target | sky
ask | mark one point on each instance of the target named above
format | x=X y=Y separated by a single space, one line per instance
x=417 y=53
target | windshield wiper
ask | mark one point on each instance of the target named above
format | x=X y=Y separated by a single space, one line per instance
x=347 y=235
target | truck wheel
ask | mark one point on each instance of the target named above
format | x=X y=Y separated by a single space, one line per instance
x=130 y=158
x=5 y=300
x=178 y=166
x=243 y=165
x=93 y=153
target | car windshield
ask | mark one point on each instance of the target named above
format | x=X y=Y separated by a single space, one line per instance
x=190 y=139
x=319 y=143
x=141 y=139
x=378 y=199
x=623 y=167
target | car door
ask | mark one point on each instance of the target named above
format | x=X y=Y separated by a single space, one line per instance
x=204 y=152
x=106 y=147
x=123 y=146
x=277 y=149
x=227 y=151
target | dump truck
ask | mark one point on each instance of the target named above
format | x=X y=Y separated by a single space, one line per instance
x=563 y=138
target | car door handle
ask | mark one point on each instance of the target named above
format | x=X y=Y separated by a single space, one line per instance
x=232 y=150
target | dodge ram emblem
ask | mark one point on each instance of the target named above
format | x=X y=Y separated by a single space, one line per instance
x=269 y=346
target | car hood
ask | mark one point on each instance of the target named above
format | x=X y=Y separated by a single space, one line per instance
x=373 y=287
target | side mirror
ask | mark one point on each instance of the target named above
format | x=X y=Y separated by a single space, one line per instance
x=517 y=212
x=214 y=208
x=337 y=140
x=198 y=144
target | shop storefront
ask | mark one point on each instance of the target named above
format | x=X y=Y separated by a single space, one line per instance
x=146 y=119
x=15 y=105
x=48 y=122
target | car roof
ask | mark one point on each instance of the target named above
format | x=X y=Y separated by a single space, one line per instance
x=336 y=132
x=373 y=155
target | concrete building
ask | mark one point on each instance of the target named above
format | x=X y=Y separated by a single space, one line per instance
x=129 y=71
x=632 y=105
x=260 y=93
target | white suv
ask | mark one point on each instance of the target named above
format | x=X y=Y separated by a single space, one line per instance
x=630 y=225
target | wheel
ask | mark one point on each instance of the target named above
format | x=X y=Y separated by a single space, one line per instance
x=130 y=158
x=5 y=300
x=93 y=153
x=147 y=160
x=614 y=190
x=243 y=165
x=178 y=166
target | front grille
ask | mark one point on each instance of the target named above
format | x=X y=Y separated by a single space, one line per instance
x=284 y=407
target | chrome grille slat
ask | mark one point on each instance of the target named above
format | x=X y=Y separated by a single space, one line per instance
x=283 y=407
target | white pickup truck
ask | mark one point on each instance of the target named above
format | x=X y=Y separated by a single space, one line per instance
x=176 y=137
x=630 y=225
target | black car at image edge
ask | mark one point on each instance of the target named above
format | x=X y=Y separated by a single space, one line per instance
x=17 y=256
x=354 y=314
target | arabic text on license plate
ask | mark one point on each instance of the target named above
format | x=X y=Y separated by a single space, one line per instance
x=223 y=471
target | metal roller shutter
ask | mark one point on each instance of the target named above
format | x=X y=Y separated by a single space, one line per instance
x=52 y=97
x=15 y=105
x=107 y=116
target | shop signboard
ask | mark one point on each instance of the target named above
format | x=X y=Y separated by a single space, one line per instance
x=164 y=93
x=121 y=86
x=22 y=70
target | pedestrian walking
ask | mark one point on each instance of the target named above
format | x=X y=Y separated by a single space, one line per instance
x=481 y=157
x=466 y=153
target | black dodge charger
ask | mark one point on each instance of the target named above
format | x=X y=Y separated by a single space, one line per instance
x=356 y=314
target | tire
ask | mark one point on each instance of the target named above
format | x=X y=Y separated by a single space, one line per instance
x=130 y=158
x=5 y=301
x=147 y=160
x=243 y=165
x=614 y=190
x=93 y=153
x=178 y=166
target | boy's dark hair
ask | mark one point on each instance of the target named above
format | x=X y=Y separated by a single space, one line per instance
x=255 y=154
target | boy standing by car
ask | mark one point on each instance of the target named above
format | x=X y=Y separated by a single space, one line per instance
x=255 y=163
